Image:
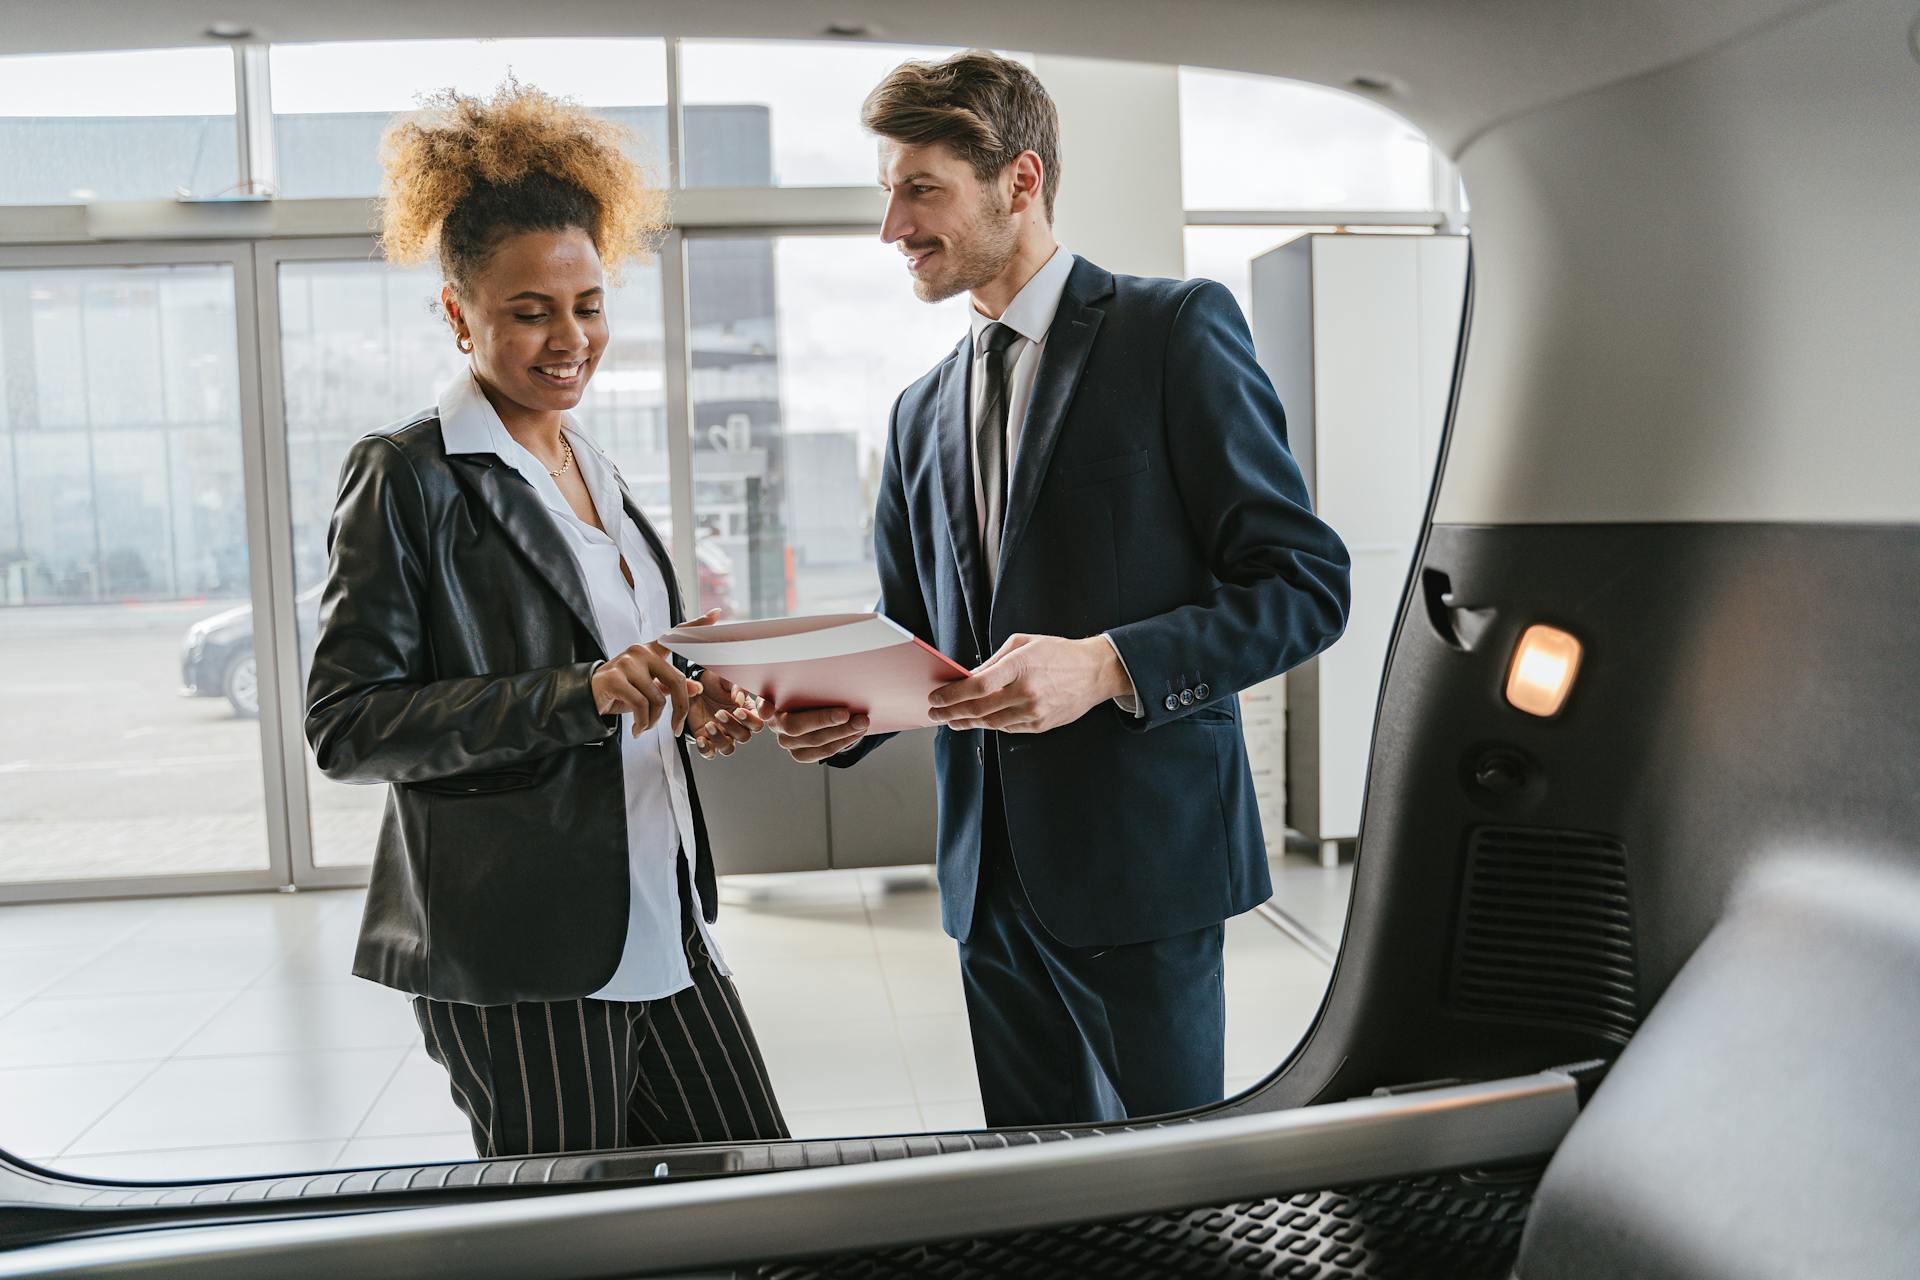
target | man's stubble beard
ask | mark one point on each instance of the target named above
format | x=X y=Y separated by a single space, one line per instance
x=981 y=253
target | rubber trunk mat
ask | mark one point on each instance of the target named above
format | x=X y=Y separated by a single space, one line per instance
x=1455 y=1226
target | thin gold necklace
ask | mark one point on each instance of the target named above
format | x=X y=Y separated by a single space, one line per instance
x=565 y=465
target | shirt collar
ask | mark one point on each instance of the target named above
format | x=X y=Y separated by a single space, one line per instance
x=1031 y=312
x=470 y=424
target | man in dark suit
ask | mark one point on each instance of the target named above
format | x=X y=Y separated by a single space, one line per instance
x=1091 y=501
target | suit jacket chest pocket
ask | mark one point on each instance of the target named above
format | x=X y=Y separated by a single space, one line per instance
x=1094 y=498
x=1086 y=474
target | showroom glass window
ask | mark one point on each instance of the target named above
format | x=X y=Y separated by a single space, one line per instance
x=149 y=124
x=800 y=346
x=331 y=102
x=1291 y=159
x=124 y=579
x=781 y=113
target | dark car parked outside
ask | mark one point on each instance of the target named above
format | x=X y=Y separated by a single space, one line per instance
x=217 y=660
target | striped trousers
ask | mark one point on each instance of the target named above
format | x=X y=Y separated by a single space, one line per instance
x=589 y=1075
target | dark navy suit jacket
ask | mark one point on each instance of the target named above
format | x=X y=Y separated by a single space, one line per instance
x=1153 y=498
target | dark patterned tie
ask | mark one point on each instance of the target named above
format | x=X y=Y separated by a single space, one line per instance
x=990 y=444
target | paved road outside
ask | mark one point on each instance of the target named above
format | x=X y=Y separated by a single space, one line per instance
x=105 y=770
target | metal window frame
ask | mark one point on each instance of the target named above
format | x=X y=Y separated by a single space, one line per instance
x=268 y=257
x=1313 y=218
x=253 y=118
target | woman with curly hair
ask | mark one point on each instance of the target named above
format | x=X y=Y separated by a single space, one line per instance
x=542 y=884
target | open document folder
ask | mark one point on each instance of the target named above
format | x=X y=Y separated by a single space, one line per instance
x=859 y=660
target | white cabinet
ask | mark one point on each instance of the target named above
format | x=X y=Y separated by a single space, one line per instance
x=1358 y=333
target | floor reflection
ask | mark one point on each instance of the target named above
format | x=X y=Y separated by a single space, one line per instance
x=211 y=1036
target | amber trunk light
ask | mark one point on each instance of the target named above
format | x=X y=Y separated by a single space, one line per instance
x=1544 y=664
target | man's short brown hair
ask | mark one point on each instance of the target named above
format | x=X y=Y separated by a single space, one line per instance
x=987 y=108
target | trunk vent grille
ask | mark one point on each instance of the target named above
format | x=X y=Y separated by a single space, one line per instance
x=1546 y=931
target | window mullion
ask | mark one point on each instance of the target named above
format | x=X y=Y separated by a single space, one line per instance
x=253 y=119
x=676 y=120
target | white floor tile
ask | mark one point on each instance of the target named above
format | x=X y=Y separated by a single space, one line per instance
x=855 y=1122
x=853 y=989
x=287 y=918
x=809 y=988
x=1264 y=1027
x=197 y=1163
x=45 y=1108
x=912 y=915
x=940 y=1059
x=913 y=939
x=417 y=1100
x=922 y=984
x=951 y=1117
x=829 y=1065
x=414 y=1148
x=140 y=965
x=279 y=1098
x=883 y=885
x=74 y=924
x=788 y=890
x=1263 y=979
x=750 y=936
x=25 y=971
x=326 y=957
x=1253 y=935
x=308 y=1018
x=1315 y=896
x=48 y=1032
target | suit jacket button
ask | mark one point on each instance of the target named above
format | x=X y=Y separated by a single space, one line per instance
x=1201 y=691
x=1186 y=697
x=979 y=753
x=1173 y=703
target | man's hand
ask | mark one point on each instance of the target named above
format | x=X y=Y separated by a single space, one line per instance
x=818 y=732
x=1033 y=684
x=644 y=681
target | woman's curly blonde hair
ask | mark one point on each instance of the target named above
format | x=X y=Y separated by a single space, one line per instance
x=464 y=172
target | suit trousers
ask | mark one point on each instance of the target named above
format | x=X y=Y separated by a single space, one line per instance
x=1065 y=1035
x=589 y=1075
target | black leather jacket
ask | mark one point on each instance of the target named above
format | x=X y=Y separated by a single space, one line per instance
x=454 y=661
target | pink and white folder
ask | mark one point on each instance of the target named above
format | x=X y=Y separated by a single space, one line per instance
x=864 y=661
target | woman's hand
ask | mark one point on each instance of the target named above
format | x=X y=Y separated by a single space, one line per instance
x=644 y=681
x=721 y=717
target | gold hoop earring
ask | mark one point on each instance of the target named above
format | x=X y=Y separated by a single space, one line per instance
x=465 y=344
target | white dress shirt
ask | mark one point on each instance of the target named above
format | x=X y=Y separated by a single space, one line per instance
x=1030 y=315
x=653 y=962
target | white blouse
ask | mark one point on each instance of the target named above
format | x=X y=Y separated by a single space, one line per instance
x=653 y=963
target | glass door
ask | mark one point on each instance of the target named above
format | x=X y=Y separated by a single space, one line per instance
x=352 y=344
x=133 y=654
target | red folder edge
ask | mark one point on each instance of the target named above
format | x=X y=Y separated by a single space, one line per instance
x=889 y=685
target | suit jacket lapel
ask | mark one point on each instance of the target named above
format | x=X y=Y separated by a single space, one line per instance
x=956 y=480
x=1069 y=340
x=524 y=516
